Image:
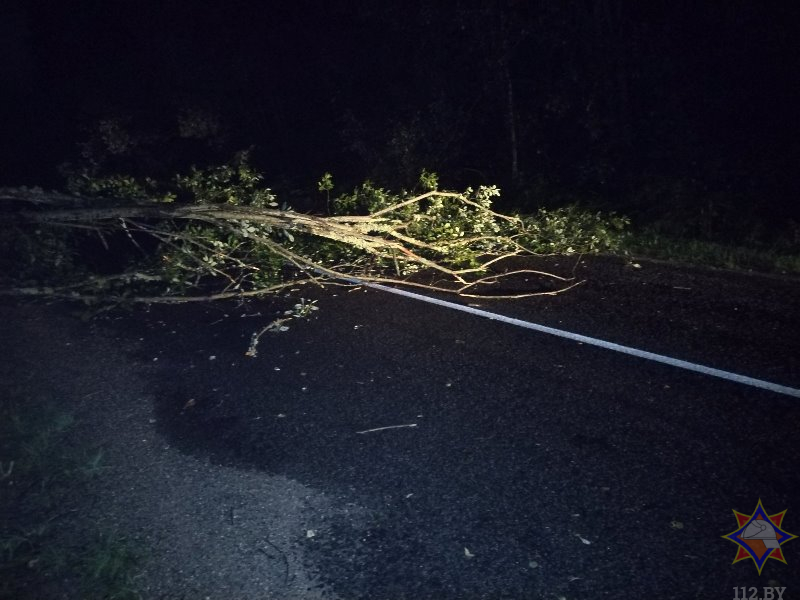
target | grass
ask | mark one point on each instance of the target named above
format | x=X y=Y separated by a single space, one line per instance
x=45 y=477
x=779 y=257
x=729 y=241
x=674 y=222
x=108 y=566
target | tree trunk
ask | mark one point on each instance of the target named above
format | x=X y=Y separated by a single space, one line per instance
x=511 y=115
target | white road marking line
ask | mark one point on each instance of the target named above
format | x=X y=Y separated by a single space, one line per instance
x=667 y=360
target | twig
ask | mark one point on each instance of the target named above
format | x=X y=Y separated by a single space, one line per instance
x=377 y=236
x=53 y=293
x=387 y=427
x=6 y=474
x=273 y=326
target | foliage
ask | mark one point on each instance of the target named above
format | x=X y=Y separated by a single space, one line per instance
x=107 y=568
x=220 y=229
x=193 y=254
x=651 y=242
x=463 y=231
x=301 y=310
x=325 y=184
x=110 y=143
x=364 y=200
x=459 y=227
x=45 y=252
x=444 y=219
x=44 y=474
x=190 y=253
x=236 y=183
x=200 y=124
x=571 y=229
x=122 y=157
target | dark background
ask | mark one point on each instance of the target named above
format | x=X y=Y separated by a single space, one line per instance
x=648 y=107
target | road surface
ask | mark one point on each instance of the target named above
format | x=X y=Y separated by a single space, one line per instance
x=387 y=448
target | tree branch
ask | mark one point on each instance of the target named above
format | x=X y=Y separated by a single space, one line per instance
x=377 y=235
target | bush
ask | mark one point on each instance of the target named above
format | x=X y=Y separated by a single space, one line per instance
x=571 y=230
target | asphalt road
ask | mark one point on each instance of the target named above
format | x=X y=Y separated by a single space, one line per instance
x=464 y=458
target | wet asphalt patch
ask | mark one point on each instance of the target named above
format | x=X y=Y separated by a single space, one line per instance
x=535 y=467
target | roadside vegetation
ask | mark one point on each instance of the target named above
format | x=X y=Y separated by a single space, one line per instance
x=140 y=221
x=143 y=219
x=124 y=233
x=778 y=252
x=46 y=478
x=682 y=222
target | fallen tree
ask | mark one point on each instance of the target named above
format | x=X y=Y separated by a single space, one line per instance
x=380 y=237
x=217 y=238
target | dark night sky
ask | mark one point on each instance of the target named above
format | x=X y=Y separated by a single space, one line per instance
x=608 y=94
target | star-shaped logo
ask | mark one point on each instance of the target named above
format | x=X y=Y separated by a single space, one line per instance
x=759 y=536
